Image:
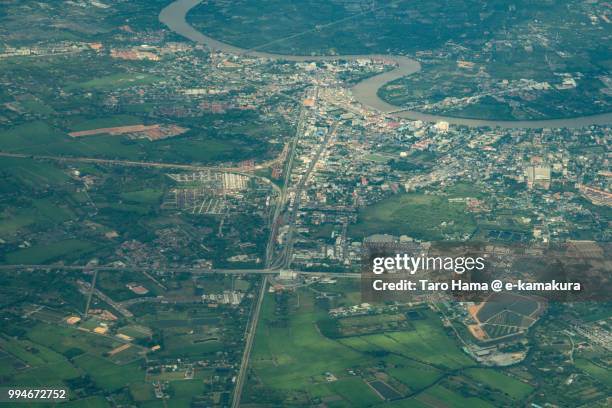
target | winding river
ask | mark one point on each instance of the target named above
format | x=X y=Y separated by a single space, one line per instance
x=366 y=91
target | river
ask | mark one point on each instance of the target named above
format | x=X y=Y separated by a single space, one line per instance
x=366 y=91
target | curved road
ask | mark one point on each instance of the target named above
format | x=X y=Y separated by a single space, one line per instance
x=366 y=91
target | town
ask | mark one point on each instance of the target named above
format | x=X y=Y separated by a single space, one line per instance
x=183 y=224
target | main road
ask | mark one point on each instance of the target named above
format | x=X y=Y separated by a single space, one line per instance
x=366 y=91
x=186 y=269
x=269 y=265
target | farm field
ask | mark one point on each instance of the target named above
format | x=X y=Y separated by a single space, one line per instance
x=511 y=386
x=439 y=395
x=48 y=252
x=599 y=373
x=113 y=81
x=93 y=357
x=307 y=366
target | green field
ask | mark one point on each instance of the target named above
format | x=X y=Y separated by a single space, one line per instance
x=353 y=391
x=29 y=137
x=35 y=105
x=147 y=196
x=419 y=216
x=196 y=146
x=513 y=387
x=63 y=339
x=91 y=402
x=108 y=375
x=290 y=362
x=47 y=350
x=31 y=173
x=77 y=123
x=441 y=396
x=417 y=375
x=41 y=212
x=121 y=80
x=599 y=373
x=427 y=344
x=45 y=252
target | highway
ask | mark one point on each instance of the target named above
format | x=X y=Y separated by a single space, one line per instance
x=255 y=311
x=272 y=263
x=114 y=162
x=248 y=346
x=283 y=194
x=194 y=271
x=287 y=254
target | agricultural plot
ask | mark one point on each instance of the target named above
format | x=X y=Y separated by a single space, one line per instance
x=503 y=315
x=361 y=325
x=103 y=354
x=384 y=390
x=439 y=396
x=598 y=372
x=495 y=379
x=494 y=331
x=48 y=252
x=293 y=359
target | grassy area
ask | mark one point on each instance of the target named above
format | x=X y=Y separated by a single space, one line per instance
x=91 y=402
x=28 y=352
x=142 y=391
x=29 y=137
x=420 y=216
x=47 y=375
x=146 y=196
x=441 y=396
x=427 y=343
x=196 y=146
x=32 y=173
x=28 y=176
x=355 y=392
x=515 y=388
x=80 y=123
x=599 y=373
x=291 y=360
x=407 y=403
x=108 y=375
x=45 y=252
x=35 y=105
x=417 y=375
x=121 y=80
x=13 y=221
